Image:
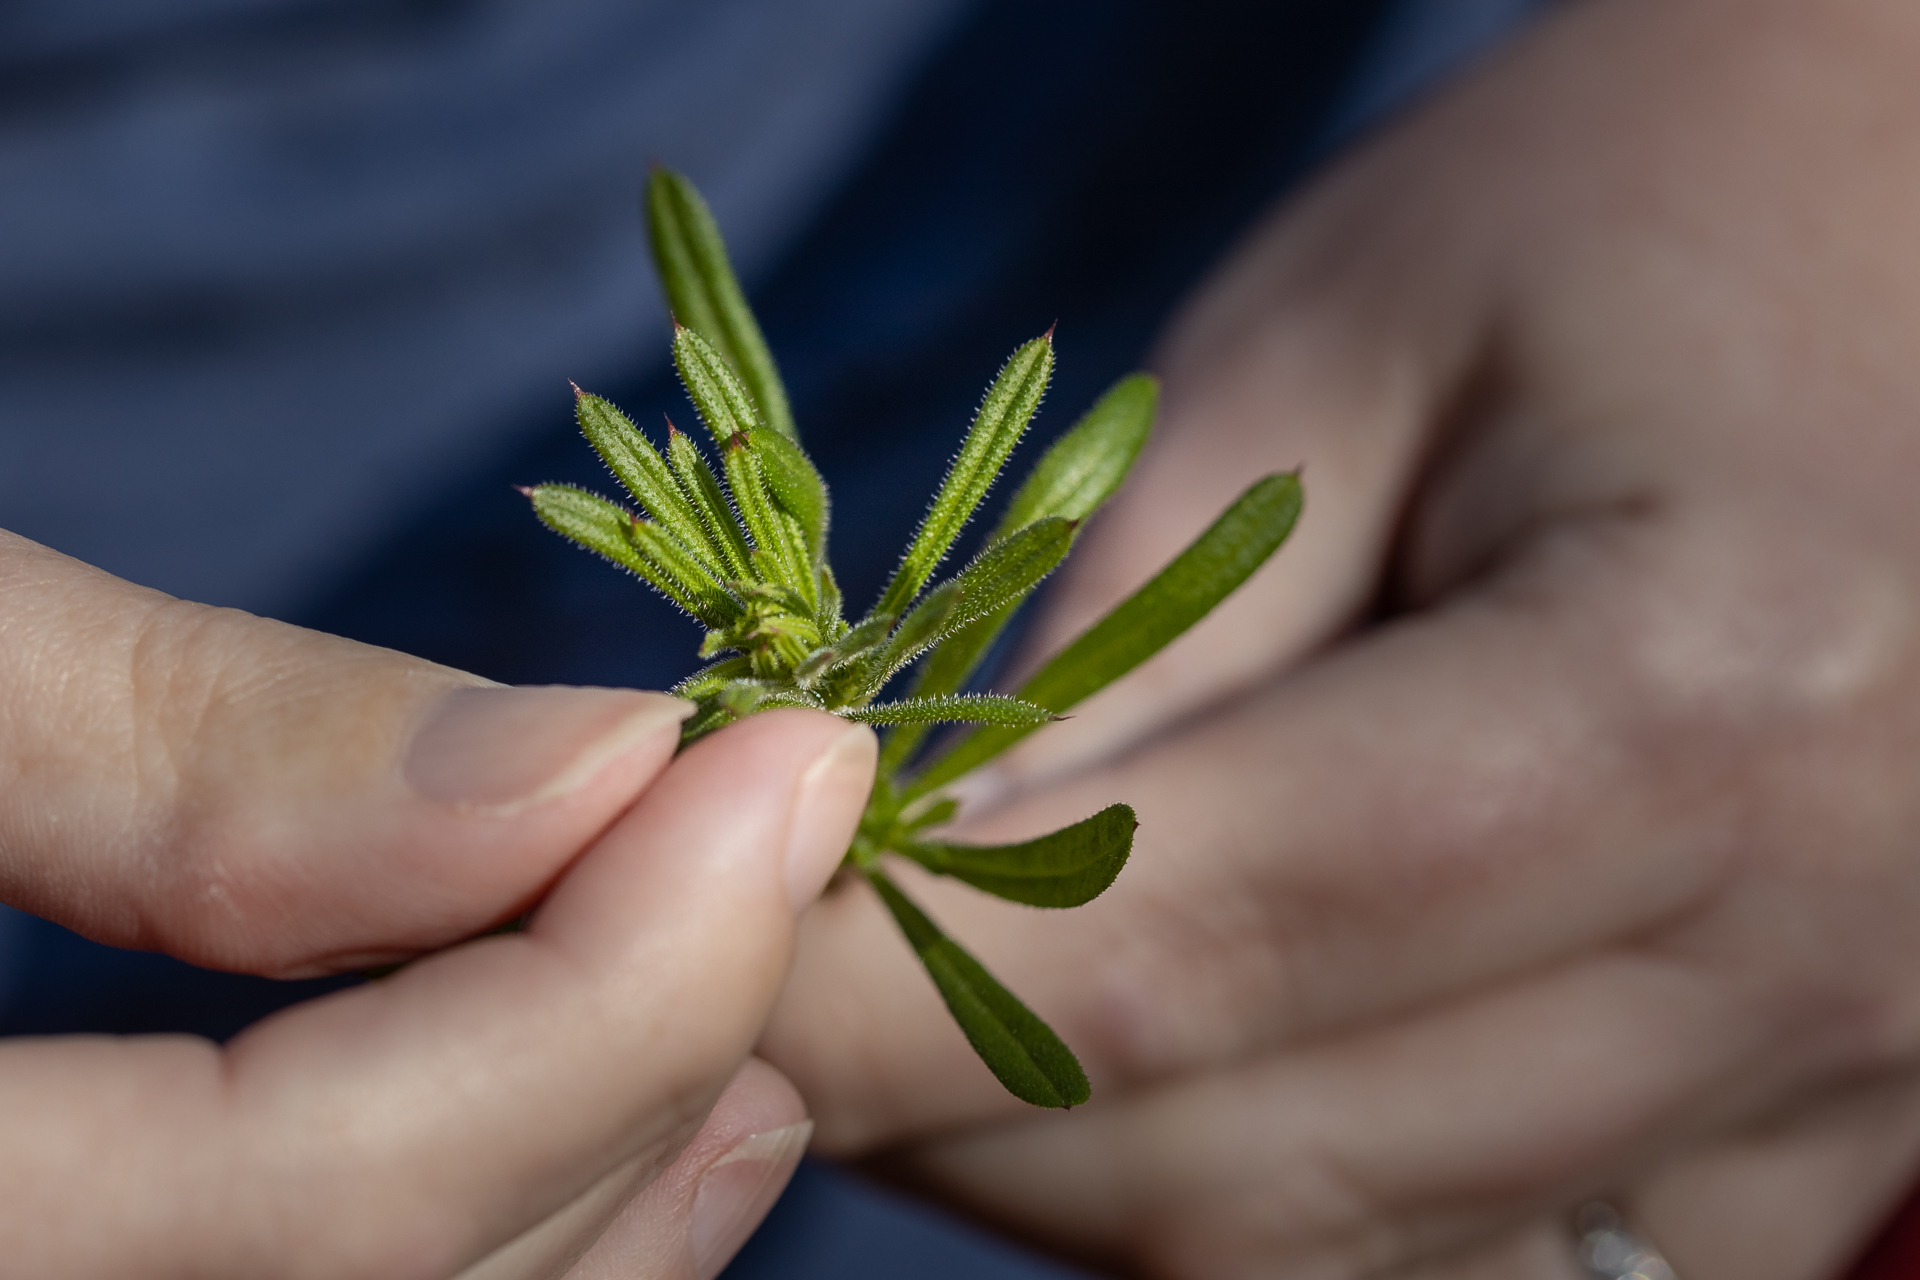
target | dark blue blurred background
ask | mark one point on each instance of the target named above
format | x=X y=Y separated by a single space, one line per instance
x=320 y=269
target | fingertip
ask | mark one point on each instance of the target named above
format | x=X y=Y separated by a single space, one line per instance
x=828 y=796
x=747 y=817
x=827 y=808
x=758 y=1100
x=698 y=1213
x=739 y=1190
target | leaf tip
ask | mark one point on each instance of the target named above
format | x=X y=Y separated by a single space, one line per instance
x=1047 y=337
x=738 y=440
x=578 y=394
x=524 y=490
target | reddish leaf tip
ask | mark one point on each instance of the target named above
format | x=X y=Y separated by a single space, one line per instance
x=1047 y=337
x=577 y=392
x=738 y=440
x=524 y=490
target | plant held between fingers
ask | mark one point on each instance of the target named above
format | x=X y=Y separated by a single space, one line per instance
x=743 y=548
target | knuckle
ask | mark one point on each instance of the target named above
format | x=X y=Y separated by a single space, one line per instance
x=201 y=682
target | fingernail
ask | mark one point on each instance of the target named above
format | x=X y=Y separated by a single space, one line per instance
x=826 y=811
x=498 y=751
x=738 y=1190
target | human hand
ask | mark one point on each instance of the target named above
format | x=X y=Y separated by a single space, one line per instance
x=251 y=796
x=1542 y=823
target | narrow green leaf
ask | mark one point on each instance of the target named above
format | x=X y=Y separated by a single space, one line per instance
x=1237 y=543
x=990 y=589
x=776 y=534
x=946 y=669
x=963 y=708
x=661 y=549
x=1072 y=480
x=648 y=550
x=710 y=679
x=1004 y=414
x=829 y=612
x=1072 y=866
x=778 y=593
x=1084 y=468
x=743 y=697
x=1197 y=579
x=796 y=486
x=708 y=716
x=778 y=639
x=859 y=640
x=704 y=294
x=917 y=630
x=1023 y=1053
x=1009 y=568
x=644 y=474
x=709 y=502
x=733 y=700
x=790 y=698
x=720 y=397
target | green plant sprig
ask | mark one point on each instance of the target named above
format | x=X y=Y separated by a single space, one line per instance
x=743 y=550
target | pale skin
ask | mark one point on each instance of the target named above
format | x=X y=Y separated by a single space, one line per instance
x=575 y=1100
x=1543 y=823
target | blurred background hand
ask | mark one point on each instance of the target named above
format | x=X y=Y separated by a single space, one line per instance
x=251 y=796
x=1540 y=825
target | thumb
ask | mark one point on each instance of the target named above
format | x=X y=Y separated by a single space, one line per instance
x=250 y=795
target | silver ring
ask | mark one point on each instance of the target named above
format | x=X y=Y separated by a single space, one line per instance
x=1609 y=1250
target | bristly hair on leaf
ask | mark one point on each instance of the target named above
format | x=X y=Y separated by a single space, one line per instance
x=736 y=535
